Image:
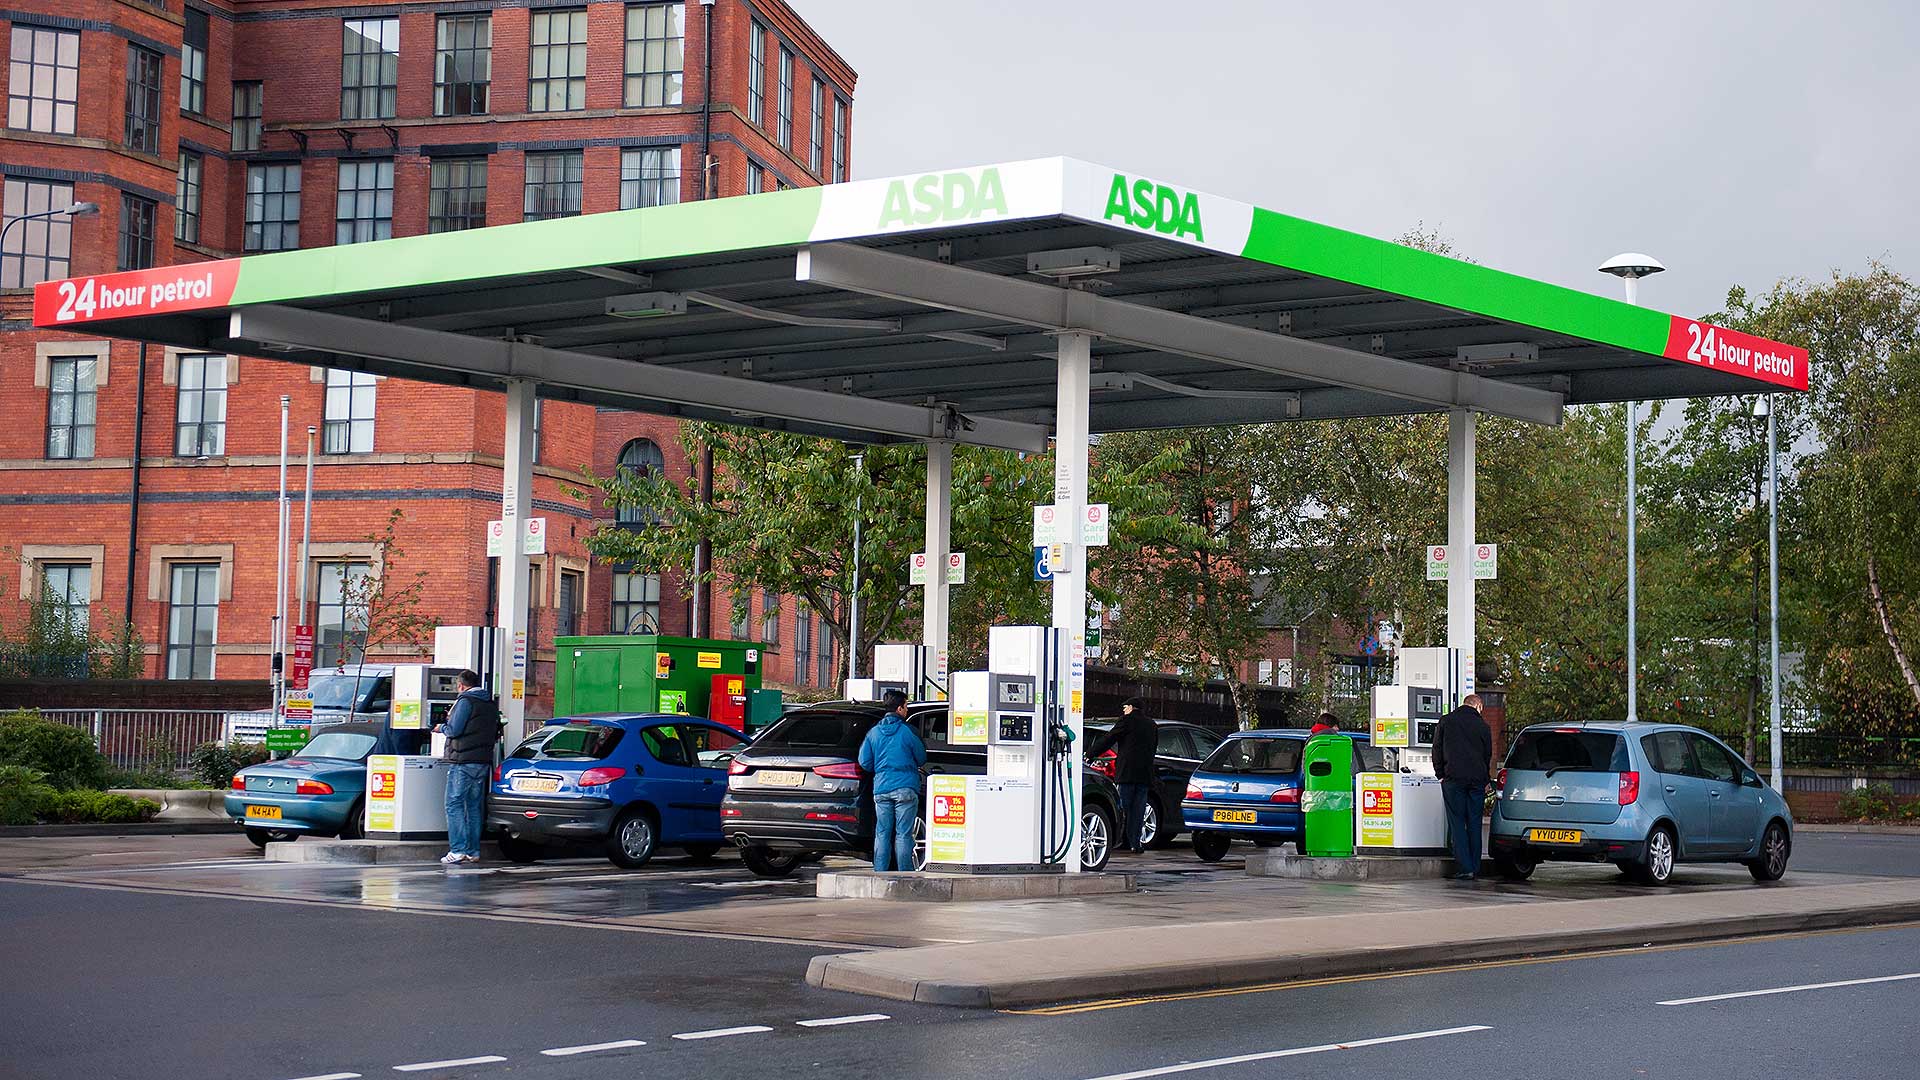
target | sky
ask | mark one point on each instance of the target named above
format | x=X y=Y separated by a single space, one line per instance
x=1739 y=143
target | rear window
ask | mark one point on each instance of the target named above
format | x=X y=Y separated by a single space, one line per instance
x=1569 y=751
x=821 y=729
x=1256 y=757
x=581 y=742
x=345 y=745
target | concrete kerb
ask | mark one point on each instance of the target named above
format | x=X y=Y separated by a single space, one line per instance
x=314 y=850
x=1867 y=829
x=942 y=887
x=1033 y=971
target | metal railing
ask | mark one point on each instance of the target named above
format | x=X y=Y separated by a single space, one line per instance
x=1808 y=750
x=158 y=738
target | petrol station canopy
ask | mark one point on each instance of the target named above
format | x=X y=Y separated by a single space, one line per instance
x=927 y=306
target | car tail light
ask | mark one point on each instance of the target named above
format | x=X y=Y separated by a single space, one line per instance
x=1501 y=781
x=1629 y=788
x=1194 y=793
x=814 y=815
x=313 y=787
x=606 y=774
x=736 y=767
x=1105 y=764
x=729 y=811
x=239 y=782
x=1287 y=795
x=845 y=770
x=496 y=774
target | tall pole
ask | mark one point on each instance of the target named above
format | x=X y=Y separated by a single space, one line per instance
x=280 y=573
x=1632 y=283
x=1072 y=386
x=1461 y=471
x=306 y=532
x=853 y=602
x=1773 y=593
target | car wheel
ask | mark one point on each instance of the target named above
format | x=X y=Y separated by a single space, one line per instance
x=1775 y=849
x=1656 y=866
x=516 y=850
x=1211 y=846
x=258 y=837
x=1268 y=841
x=1096 y=838
x=768 y=863
x=355 y=827
x=631 y=842
x=1513 y=869
x=1159 y=827
x=701 y=853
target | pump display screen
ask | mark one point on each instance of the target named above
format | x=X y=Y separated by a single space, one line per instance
x=1015 y=692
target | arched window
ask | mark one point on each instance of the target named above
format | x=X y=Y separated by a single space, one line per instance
x=641 y=457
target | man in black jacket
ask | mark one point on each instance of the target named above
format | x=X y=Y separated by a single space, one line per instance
x=1136 y=739
x=472 y=727
x=1462 y=752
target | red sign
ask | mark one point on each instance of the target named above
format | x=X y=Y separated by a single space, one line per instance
x=385 y=782
x=186 y=287
x=302 y=656
x=1376 y=801
x=949 y=809
x=1722 y=349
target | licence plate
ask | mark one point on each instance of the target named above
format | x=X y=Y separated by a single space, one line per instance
x=781 y=777
x=1236 y=817
x=536 y=783
x=1554 y=836
x=264 y=812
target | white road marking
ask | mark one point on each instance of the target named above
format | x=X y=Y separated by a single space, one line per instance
x=453 y=1063
x=591 y=1048
x=721 y=1033
x=1194 y=1066
x=836 y=1021
x=1790 y=989
x=332 y=1076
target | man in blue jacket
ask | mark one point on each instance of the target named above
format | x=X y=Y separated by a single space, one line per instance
x=894 y=755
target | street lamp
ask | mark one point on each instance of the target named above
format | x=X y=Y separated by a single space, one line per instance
x=1630 y=267
x=1763 y=406
x=853 y=600
x=79 y=209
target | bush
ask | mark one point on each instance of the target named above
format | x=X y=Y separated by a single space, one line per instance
x=1876 y=802
x=148 y=778
x=21 y=794
x=65 y=754
x=87 y=807
x=213 y=764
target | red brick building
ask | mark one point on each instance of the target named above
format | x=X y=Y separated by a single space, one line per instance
x=141 y=484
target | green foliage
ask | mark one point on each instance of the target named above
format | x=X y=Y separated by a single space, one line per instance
x=1877 y=802
x=213 y=764
x=22 y=791
x=149 y=777
x=49 y=644
x=89 y=807
x=66 y=755
x=384 y=607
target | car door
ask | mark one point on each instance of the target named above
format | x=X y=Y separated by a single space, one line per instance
x=711 y=747
x=1733 y=807
x=1671 y=752
x=1173 y=763
x=683 y=792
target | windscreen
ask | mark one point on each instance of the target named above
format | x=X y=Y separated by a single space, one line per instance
x=1568 y=751
x=816 y=730
x=338 y=691
x=581 y=742
x=1256 y=757
x=345 y=745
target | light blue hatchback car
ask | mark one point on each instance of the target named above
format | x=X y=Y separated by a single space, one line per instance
x=1643 y=796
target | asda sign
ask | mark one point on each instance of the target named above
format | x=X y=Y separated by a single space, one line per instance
x=943 y=198
x=1144 y=204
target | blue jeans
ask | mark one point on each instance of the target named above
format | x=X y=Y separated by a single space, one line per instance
x=893 y=814
x=1464 y=804
x=1133 y=812
x=466 y=806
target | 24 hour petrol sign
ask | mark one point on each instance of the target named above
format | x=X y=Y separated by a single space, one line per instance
x=135 y=292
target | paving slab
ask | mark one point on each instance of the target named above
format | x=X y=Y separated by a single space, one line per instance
x=363 y=851
x=942 y=887
x=1272 y=862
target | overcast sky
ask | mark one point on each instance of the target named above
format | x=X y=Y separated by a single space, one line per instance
x=1736 y=142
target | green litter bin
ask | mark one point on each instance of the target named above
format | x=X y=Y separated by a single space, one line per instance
x=1326 y=803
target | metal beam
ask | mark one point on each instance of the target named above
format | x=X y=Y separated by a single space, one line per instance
x=879 y=273
x=271 y=326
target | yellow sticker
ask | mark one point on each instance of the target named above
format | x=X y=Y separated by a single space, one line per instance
x=708 y=660
x=662 y=665
x=519 y=689
x=1076 y=702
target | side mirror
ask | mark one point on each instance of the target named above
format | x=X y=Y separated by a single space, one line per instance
x=1752 y=779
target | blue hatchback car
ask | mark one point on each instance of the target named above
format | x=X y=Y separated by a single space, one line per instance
x=1249 y=789
x=629 y=783
x=1644 y=796
x=320 y=790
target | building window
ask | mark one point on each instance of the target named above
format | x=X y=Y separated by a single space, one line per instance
x=273 y=208
x=200 y=421
x=557 y=61
x=136 y=232
x=640 y=458
x=770 y=620
x=656 y=56
x=193 y=617
x=457 y=194
x=43 y=80
x=247 y=99
x=193 y=63
x=839 y=141
x=69 y=588
x=786 y=98
x=566 y=620
x=186 y=198
x=553 y=185
x=143 y=99
x=824 y=645
x=757 y=75
x=649 y=177
x=340 y=620
x=636 y=602
x=817 y=150
x=364 y=209
x=70 y=405
x=348 y=427
x=369 y=68
x=38 y=249
x=462 y=64
x=756 y=178
x=802 y=644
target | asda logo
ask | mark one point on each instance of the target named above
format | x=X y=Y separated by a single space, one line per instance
x=1144 y=204
x=942 y=198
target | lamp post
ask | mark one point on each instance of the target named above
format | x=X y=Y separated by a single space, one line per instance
x=1630 y=267
x=853 y=598
x=1763 y=406
x=79 y=209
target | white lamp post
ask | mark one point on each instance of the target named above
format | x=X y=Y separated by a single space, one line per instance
x=1630 y=267
x=1763 y=406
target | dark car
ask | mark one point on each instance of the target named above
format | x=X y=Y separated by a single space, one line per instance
x=629 y=783
x=1181 y=749
x=798 y=791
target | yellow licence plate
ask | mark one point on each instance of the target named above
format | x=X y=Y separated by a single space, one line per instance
x=1236 y=817
x=781 y=777
x=264 y=812
x=536 y=783
x=1553 y=836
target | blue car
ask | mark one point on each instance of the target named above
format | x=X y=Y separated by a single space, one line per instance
x=1644 y=796
x=321 y=790
x=1249 y=789
x=628 y=783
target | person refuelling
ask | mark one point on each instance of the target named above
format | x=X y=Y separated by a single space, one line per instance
x=1134 y=740
x=894 y=754
x=1462 y=753
x=472 y=727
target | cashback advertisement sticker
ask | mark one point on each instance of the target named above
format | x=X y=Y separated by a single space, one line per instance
x=1376 y=809
x=947 y=819
x=383 y=788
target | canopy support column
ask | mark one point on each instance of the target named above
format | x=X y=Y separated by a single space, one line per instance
x=933 y=622
x=516 y=505
x=1072 y=404
x=1461 y=468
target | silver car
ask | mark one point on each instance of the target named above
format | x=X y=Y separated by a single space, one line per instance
x=1643 y=796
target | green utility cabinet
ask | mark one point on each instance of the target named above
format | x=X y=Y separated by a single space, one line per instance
x=1326 y=803
x=764 y=706
x=645 y=673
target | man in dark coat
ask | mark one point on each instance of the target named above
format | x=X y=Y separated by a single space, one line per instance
x=472 y=727
x=1134 y=739
x=1462 y=754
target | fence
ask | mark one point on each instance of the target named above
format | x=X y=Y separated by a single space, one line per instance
x=1842 y=751
x=158 y=738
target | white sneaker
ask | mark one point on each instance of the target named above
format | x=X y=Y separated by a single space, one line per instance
x=452 y=857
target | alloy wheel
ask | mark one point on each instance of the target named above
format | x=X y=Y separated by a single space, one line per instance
x=1776 y=853
x=636 y=837
x=1149 y=825
x=1093 y=839
x=1660 y=855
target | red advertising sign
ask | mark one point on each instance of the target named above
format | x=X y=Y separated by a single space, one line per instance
x=1722 y=349
x=302 y=656
x=384 y=783
x=187 y=287
x=949 y=809
x=1376 y=801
